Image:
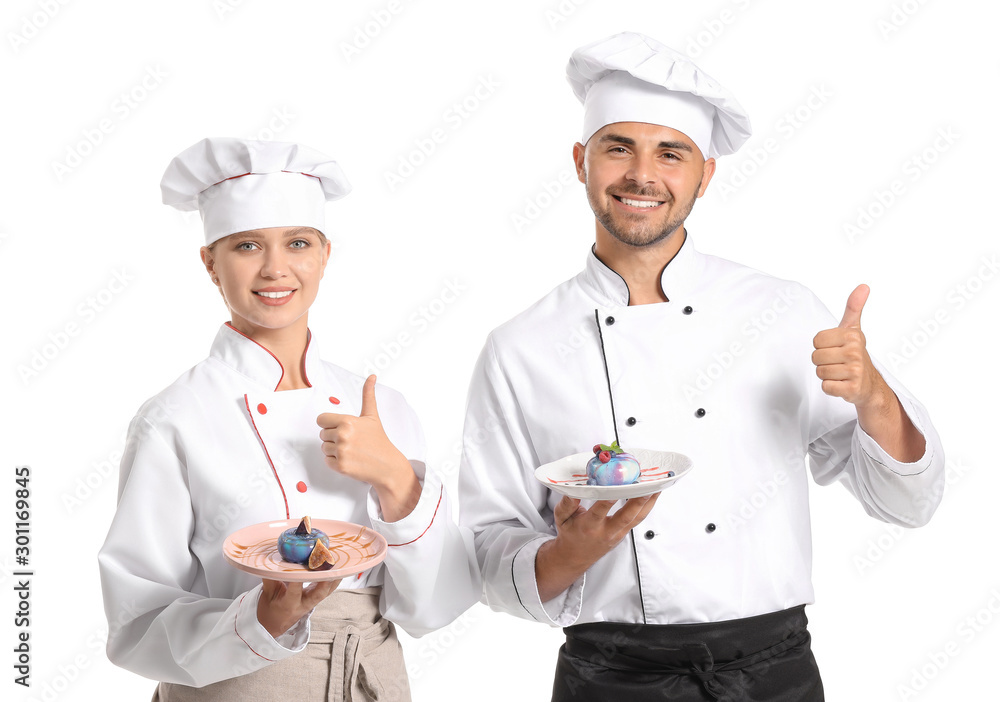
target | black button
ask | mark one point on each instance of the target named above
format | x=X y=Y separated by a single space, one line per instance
x=649 y=534
x=609 y=321
x=700 y=412
x=688 y=310
x=630 y=421
x=710 y=527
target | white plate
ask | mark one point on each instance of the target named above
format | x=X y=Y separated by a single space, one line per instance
x=568 y=476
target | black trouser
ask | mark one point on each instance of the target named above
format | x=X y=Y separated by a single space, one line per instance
x=742 y=660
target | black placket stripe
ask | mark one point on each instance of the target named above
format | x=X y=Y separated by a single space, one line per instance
x=611 y=398
x=638 y=577
x=607 y=373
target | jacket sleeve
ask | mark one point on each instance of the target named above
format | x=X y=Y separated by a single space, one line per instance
x=906 y=494
x=502 y=502
x=161 y=624
x=430 y=570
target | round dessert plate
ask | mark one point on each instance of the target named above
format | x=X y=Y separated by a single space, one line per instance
x=254 y=549
x=568 y=476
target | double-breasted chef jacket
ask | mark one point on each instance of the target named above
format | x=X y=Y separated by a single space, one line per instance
x=721 y=373
x=221 y=449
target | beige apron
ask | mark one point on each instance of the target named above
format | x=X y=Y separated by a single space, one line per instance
x=353 y=655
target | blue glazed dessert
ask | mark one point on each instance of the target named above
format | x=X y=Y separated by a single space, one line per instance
x=297 y=544
x=612 y=466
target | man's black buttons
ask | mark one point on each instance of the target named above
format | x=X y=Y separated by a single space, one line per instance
x=688 y=310
x=649 y=534
x=609 y=321
x=710 y=527
x=630 y=421
x=700 y=412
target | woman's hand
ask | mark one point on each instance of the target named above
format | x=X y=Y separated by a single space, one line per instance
x=358 y=448
x=282 y=604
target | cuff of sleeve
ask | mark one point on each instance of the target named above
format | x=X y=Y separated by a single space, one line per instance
x=414 y=525
x=562 y=610
x=257 y=638
x=879 y=455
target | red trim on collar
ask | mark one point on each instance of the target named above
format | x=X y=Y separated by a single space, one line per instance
x=440 y=497
x=246 y=401
x=266 y=349
x=305 y=376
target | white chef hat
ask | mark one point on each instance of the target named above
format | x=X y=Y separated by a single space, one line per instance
x=629 y=77
x=241 y=184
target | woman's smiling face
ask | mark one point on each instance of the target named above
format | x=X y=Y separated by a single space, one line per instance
x=268 y=277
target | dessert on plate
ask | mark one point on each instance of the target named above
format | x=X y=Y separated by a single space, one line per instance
x=305 y=545
x=612 y=466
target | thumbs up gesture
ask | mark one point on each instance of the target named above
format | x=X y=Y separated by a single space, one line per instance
x=359 y=448
x=841 y=359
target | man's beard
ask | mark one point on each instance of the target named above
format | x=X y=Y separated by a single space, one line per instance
x=640 y=234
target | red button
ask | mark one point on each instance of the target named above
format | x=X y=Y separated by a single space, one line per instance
x=334 y=400
x=262 y=408
x=301 y=487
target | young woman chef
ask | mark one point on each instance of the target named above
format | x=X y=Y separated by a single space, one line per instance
x=264 y=430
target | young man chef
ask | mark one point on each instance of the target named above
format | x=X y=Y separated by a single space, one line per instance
x=700 y=602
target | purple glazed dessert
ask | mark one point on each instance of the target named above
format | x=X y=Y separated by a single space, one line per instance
x=612 y=466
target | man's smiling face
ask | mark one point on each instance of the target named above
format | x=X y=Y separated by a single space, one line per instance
x=642 y=179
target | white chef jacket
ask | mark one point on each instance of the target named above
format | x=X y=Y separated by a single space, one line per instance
x=721 y=373
x=221 y=449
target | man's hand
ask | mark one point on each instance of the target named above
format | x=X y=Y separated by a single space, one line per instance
x=583 y=537
x=842 y=359
x=282 y=604
x=847 y=371
x=358 y=448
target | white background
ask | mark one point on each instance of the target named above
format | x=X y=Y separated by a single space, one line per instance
x=892 y=607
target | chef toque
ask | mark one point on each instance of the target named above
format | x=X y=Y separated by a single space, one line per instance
x=241 y=184
x=629 y=77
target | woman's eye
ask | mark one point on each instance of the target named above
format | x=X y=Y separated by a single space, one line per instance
x=245 y=246
x=299 y=244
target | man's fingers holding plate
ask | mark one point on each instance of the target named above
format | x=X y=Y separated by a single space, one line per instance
x=600 y=509
x=565 y=509
x=635 y=510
